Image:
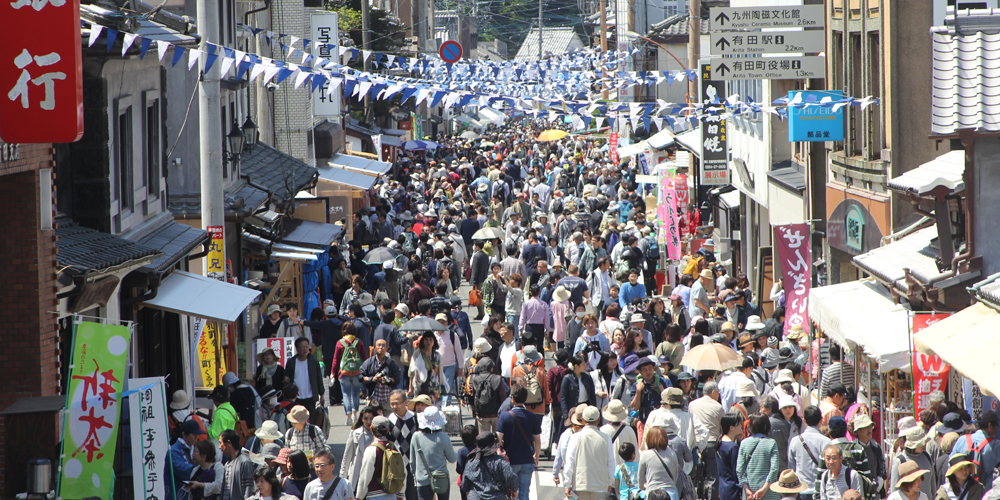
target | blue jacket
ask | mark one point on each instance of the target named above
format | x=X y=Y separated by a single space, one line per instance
x=181 y=467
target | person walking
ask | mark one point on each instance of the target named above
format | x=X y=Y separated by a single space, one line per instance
x=180 y=412
x=430 y=452
x=380 y=375
x=659 y=466
x=757 y=463
x=268 y=485
x=805 y=449
x=621 y=433
x=726 y=459
x=536 y=319
x=915 y=450
x=426 y=374
x=961 y=481
x=837 y=478
x=304 y=371
x=360 y=438
x=989 y=453
x=327 y=486
x=299 y=472
x=270 y=374
x=480 y=270
x=788 y=485
x=404 y=424
x=180 y=458
x=530 y=365
x=488 y=393
x=487 y=475
x=520 y=431
x=206 y=479
x=577 y=388
x=224 y=417
x=709 y=412
x=238 y=480
x=303 y=436
x=370 y=484
x=590 y=460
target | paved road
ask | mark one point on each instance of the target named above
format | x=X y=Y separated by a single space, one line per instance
x=543 y=488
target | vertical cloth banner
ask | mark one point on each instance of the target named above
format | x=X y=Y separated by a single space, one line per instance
x=150 y=437
x=975 y=401
x=207 y=349
x=90 y=434
x=613 y=147
x=795 y=254
x=668 y=214
x=930 y=373
x=377 y=141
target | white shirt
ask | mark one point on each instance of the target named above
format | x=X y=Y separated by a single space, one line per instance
x=569 y=475
x=728 y=386
x=316 y=488
x=507 y=352
x=302 y=378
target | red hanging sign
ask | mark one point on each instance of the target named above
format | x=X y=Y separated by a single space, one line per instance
x=681 y=187
x=613 y=147
x=41 y=72
x=930 y=373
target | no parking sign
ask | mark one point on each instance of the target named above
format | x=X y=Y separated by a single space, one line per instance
x=450 y=52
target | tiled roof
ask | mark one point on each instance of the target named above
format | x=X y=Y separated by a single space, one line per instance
x=944 y=171
x=174 y=240
x=555 y=41
x=684 y=28
x=966 y=83
x=918 y=252
x=282 y=174
x=241 y=199
x=83 y=249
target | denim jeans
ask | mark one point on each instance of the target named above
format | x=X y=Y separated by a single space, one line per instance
x=514 y=319
x=427 y=493
x=449 y=384
x=351 y=387
x=524 y=472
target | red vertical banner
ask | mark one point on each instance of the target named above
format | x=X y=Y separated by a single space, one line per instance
x=930 y=373
x=613 y=147
x=795 y=254
x=681 y=188
x=41 y=71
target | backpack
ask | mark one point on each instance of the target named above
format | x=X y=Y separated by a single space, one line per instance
x=868 y=488
x=484 y=402
x=533 y=384
x=976 y=453
x=652 y=250
x=175 y=434
x=693 y=266
x=746 y=419
x=393 y=478
x=350 y=362
x=621 y=269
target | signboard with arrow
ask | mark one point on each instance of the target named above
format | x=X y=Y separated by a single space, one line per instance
x=771 y=42
x=768 y=68
x=744 y=18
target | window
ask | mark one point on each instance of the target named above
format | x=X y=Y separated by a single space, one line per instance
x=225 y=143
x=126 y=175
x=873 y=115
x=855 y=145
x=153 y=146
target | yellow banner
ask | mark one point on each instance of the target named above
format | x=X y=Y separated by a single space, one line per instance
x=216 y=258
x=208 y=347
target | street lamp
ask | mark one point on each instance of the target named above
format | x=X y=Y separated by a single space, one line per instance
x=252 y=134
x=235 y=139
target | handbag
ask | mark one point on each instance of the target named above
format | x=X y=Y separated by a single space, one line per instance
x=475 y=297
x=439 y=478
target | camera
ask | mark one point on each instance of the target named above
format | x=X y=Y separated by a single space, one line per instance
x=271 y=86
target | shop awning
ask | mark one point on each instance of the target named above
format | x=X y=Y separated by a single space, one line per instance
x=731 y=199
x=863 y=314
x=690 y=141
x=968 y=341
x=202 y=297
x=661 y=140
x=309 y=233
x=391 y=140
x=917 y=252
x=374 y=167
x=945 y=172
x=633 y=149
x=347 y=178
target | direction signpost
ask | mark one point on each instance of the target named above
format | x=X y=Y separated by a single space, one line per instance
x=746 y=18
x=770 y=42
x=768 y=68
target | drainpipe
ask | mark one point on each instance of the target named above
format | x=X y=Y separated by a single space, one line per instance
x=975 y=288
x=153 y=281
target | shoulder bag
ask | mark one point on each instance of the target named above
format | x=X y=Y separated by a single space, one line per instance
x=333 y=487
x=439 y=478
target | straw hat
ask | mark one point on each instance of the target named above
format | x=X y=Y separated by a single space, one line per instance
x=908 y=472
x=956 y=462
x=561 y=294
x=788 y=482
x=784 y=375
x=796 y=332
x=746 y=389
x=615 y=411
x=423 y=398
x=754 y=323
x=180 y=400
x=298 y=415
x=706 y=273
x=260 y=355
x=915 y=438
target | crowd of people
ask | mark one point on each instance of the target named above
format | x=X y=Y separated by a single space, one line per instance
x=581 y=359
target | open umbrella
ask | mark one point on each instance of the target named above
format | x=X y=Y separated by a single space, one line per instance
x=468 y=134
x=715 y=357
x=484 y=234
x=421 y=324
x=418 y=145
x=497 y=230
x=552 y=135
x=487 y=144
x=379 y=255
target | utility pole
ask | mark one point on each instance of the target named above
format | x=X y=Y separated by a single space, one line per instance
x=694 y=47
x=210 y=133
x=366 y=40
x=539 y=31
x=604 y=43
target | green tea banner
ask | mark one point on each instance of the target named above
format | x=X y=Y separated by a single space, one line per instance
x=100 y=354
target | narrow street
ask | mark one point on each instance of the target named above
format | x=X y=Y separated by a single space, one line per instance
x=543 y=487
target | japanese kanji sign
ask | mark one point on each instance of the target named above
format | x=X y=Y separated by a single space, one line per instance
x=667 y=212
x=216 y=259
x=90 y=435
x=743 y=18
x=714 y=147
x=150 y=437
x=284 y=348
x=41 y=71
x=208 y=345
x=795 y=254
x=771 y=42
x=326 y=36
x=930 y=373
x=769 y=68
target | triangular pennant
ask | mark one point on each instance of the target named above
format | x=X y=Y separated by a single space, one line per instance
x=144 y=47
x=300 y=78
x=127 y=43
x=161 y=49
x=209 y=61
x=193 y=56
x=95 y=33
x=178 y=53
x=112 y=35
x=227 y=64
x=284 y=73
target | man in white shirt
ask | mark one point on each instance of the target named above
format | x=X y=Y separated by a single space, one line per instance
x=590 y=460
x=323 y=464
x=731 y=382
x=508 y=350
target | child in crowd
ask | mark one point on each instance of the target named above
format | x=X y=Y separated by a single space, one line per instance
x=627 y=474
x=469 y=433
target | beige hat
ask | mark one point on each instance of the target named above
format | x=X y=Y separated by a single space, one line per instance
x=784 y=375
x=561 y=294
x=706 y=273
x=423 y=398
x=673 y=396
x=915 y=438
x=958 y=461
x=591 y=414
x=862 y=420
x=482 y=345
x=746 y=389
x=298 y=415
x=273 y=308
x=796 y=332
x=615 y=411
x=909 y=471
x=180 y=400
x=788 y=482
x=728 y=326
x=269 y=430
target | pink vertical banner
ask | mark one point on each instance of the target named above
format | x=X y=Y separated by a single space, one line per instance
x=795 y=254
x=669 y=218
